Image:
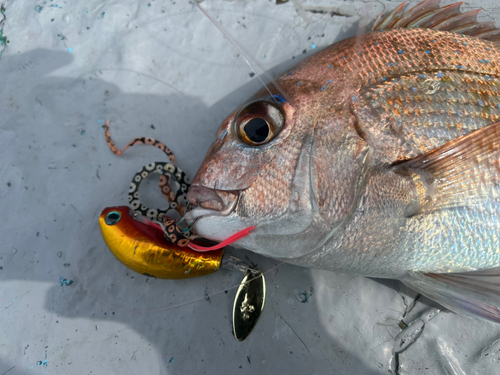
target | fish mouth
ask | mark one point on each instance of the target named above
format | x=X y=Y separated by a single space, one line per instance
x=211 y=202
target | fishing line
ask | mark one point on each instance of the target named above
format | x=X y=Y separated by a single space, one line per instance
x=244 y=53
x=96 y=70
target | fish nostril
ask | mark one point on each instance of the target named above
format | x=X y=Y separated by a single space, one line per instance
x=204 y=197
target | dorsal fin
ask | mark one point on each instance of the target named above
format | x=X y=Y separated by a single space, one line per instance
x=429 y=15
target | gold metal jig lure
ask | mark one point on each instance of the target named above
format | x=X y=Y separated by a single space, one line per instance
x=141 y=246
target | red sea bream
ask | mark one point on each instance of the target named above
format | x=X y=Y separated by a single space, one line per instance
x=379 y=156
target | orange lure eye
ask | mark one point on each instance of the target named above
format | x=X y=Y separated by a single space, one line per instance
x=259 y=122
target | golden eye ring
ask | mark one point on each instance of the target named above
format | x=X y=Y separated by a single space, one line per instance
x=258 y=122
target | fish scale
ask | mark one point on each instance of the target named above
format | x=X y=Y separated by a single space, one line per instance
x=455 y=252
x=367 y=60
x=414 y=119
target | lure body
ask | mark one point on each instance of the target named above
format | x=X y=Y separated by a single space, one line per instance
x=142 y=247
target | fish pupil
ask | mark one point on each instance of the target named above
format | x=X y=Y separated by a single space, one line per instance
x=112 y=218
x=257 y=130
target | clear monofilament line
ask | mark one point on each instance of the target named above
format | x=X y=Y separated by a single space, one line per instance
x=246 y=55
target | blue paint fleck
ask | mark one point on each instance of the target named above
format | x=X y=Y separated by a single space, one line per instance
x=70 y=49
x=329 y=81
x=400 y=51
x=487 y=61
x=480 y=103
x=458 y=66
x=383 y=78
x=395 y=79
x=498 y=106
x=465 y=44
x=86 y=12
x=299 y=83
x=63 y=281
x=82 y=132
x=439 y=75
x=421 y=75
x=376 y=43
x=391 y=64
x=42 y=363
x=481 y=61
x=313 y=46
x=353 y=98
x=488 y=49
x=302 y=297
x=99 y=121
x=56 y=6
x=149 y=5
x=38 y=8
x=345 y=57
x=457 y=52
x=323 y=88
x=329 y=66
x=414 y=89
x=427 y=51
x=488 y=77
x=361 y=53
x=432 y=40
x=171 y=360
x=279 y=98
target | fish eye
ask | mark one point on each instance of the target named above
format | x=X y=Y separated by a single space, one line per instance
x=257 y=130
x=113 y=217
x=259 y=122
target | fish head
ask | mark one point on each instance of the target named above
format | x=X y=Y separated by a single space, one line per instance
x=262 y=170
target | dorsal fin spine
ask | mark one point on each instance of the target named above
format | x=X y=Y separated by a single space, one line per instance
x=428 y=14
x=458 y=21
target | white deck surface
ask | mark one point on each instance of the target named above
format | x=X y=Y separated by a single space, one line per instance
x=74 y=64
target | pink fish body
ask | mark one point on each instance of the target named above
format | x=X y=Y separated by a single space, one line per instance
x=381 y=158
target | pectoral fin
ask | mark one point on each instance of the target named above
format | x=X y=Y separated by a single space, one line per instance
x=475 y=294
x=463 y=172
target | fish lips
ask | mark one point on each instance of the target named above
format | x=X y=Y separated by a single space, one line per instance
x=212 y=201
